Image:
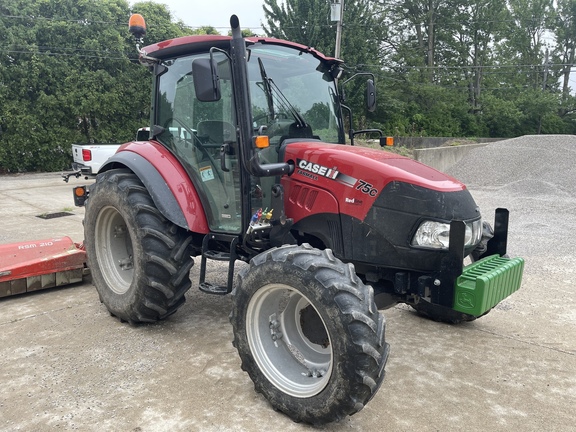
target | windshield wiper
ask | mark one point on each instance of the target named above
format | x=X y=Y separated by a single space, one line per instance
x=266 y=87
x=272 y=90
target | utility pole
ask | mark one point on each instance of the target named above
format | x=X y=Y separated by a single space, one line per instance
x=337 y=14
x=544 y=82
x=546 y=69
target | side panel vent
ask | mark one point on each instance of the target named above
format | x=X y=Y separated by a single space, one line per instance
x=309 y=203
x=335 y=235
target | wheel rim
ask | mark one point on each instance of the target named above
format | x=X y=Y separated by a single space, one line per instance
x=114 y=250
x=289 y=340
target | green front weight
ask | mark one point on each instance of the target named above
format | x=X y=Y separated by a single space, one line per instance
x=485 y=283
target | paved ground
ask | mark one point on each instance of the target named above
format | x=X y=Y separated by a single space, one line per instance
x=65 y=364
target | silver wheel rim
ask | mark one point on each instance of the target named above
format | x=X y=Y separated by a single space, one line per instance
x=292 y=362
x=114 y=250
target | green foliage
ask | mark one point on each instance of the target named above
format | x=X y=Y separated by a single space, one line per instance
x=303 y=21
x=68 y=74
x=318 y=116
x=245 y=32
x=308 y=22
x=450 y=68
x=68 y=68
x=501 y=116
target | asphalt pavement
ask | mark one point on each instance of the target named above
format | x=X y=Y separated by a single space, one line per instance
x=66 y=364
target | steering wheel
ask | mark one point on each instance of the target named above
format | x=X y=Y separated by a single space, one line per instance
x=260 y=117
x=198 y=145
x=185 y=127
x=277 y=116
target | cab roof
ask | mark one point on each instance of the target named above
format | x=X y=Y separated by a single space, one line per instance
x=201 y=43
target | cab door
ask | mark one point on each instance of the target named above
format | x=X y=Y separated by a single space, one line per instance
x=201 y=132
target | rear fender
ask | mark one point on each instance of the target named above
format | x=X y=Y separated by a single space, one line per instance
x=166 y=180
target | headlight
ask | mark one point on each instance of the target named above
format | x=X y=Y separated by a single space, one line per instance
x=436 y=235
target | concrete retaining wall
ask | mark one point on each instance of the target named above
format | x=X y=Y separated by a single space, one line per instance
x=431 y=142
x=443 y=158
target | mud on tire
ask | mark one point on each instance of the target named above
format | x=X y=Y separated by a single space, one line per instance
x=308 y=333
x=140 y=262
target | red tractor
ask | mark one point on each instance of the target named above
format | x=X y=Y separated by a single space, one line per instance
x=246 y=160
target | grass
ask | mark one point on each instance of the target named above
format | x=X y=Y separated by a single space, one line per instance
x=459 y=141
x=374 y=144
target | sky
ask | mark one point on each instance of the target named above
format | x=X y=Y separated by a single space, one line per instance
x=216 y=13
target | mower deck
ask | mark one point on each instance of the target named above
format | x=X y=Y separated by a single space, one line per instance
x=36 y=265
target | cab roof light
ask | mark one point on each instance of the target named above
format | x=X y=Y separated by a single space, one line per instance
x=137 y=26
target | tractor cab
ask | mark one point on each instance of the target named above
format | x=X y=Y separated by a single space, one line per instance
x=291 y=95
x=195 y=129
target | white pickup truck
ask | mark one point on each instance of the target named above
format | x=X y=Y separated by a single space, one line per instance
x=89 y=158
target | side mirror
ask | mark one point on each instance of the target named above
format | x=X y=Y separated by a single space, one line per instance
x=206 y=81
x=370 y=96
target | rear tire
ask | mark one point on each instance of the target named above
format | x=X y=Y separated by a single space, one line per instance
x=140 y=261
x=308 y=333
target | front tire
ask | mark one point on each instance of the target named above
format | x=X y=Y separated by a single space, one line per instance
x=308 y=333
x=441 y=313
x=140 y=261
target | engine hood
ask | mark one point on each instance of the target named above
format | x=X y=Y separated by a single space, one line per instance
x=355 y=177
x=349 y=165
x=367 y=204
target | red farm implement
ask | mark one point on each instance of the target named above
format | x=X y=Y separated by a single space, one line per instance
x=36 y=265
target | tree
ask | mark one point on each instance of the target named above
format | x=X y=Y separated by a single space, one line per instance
x=474 y=29
x=68 y=74
x=524 y=40
x=565 y=33
x=303 y=21
x=308 y=22
x=415 y=32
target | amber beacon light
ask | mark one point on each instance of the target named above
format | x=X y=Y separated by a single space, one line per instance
x=137 y=26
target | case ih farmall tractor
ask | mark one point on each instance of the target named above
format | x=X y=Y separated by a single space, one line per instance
x=247 y=161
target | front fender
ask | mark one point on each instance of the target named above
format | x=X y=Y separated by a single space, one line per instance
x=166 y=180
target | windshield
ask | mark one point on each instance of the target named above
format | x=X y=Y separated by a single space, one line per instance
x=292 y=95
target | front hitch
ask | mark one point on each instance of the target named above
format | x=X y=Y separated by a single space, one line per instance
x=499 y=242
x=476 y=288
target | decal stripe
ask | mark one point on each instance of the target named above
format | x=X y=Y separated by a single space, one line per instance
x=345 y=179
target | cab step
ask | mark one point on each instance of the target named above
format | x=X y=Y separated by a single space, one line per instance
x=216 y=255
x=208 y=288
x=209 y=253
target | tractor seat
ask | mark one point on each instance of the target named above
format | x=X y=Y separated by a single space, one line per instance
x=216 y=132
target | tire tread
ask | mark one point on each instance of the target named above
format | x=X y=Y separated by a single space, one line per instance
x=362 y=323
x=164 y=280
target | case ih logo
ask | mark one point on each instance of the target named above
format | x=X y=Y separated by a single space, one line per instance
x=317 y=169
x=331 y=173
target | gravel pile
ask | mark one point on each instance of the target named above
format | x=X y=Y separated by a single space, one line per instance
x=530 y=165
x=535 y=178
